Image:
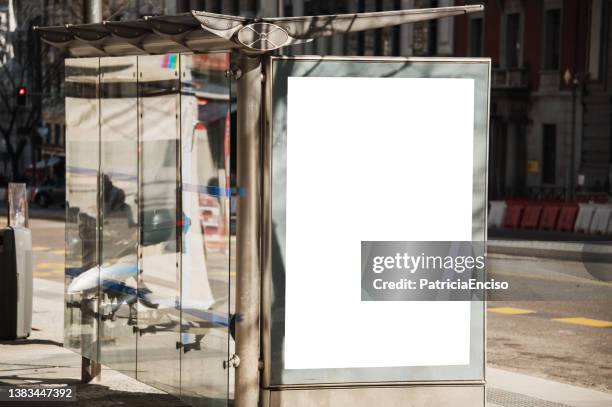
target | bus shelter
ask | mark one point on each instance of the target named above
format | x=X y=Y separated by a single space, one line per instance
x=329 y=152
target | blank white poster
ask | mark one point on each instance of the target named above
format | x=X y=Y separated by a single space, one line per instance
x=373 y=159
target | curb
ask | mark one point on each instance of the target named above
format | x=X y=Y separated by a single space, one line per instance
x=581 y=252
x=38 y=213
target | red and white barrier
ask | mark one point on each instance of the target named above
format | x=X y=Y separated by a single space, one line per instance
x=496 y=214
x=601 y=219
x=584 y=218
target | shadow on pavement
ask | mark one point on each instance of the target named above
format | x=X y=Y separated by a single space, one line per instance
x=18 y=342
x=94 y=394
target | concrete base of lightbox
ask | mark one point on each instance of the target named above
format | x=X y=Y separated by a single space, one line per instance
x=379 y=396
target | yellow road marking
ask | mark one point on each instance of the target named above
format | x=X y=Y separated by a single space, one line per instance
x=510 y=311
x=50 y=265
x=586 y=322
x=57 y=252
x=40 y=248
x=47 y=273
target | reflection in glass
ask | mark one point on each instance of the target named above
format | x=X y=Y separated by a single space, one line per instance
x=82 y=162
x=159 y=317
x=206 y=243
x=17 y=204
x=148 y=264
x=118 y=207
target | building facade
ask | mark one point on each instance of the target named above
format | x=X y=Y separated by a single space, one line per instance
x=541 y=142
x=550 y=134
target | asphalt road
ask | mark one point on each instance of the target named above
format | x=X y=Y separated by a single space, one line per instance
x=565 y=339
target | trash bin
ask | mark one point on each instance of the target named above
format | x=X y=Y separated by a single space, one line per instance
x=15 y=282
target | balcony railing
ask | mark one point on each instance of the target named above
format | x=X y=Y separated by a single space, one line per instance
x=510 y=78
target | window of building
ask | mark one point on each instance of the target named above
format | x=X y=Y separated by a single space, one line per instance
x=512 y=44
x=213 y=6
x=57 y=134
x=552 y=39
x=425 y=33
x=549 y=153
x=288 y=9
x=595 y=39
x=47 y=136
x=476 y=36
x=432 y=37
x=234 y=7
x=183 y=6
x=432 y=33
x=361 y=34
x=396 y=41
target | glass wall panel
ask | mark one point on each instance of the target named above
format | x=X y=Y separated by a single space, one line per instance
x=118 y=207
x=159 y=318
x=205 y=137
x=82 y=166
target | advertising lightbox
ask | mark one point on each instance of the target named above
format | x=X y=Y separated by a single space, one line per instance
x=370 y=151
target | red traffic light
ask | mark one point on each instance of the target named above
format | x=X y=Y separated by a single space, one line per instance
x=21 y=96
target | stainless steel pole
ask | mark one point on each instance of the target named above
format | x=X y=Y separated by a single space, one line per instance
x=249 y=92
x=93 y=11
x=90 y=369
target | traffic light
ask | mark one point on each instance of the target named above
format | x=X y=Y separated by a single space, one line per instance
x=22 y=94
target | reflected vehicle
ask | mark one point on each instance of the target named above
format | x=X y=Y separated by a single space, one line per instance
x=197 y=316
x=158 y=226
x=50 y=192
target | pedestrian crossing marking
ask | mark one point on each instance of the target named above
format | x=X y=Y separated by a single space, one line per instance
x=510 y=311
x=50 y=265
x=49 y=273
x=585 y=321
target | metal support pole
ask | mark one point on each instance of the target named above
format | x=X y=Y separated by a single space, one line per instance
x=93 y=11
x=90 y=369
x=249 y=92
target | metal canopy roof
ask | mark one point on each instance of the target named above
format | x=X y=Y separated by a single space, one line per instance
x=199 y=31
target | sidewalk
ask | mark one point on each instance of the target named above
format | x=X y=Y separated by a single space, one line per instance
x=594 y=251
x=41 y=359
x=509 y=389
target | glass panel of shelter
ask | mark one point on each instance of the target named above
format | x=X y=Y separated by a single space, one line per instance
x=159 y=318
x=205 y=147
x=118 y=212
x=82 y=166
x=155 y=276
